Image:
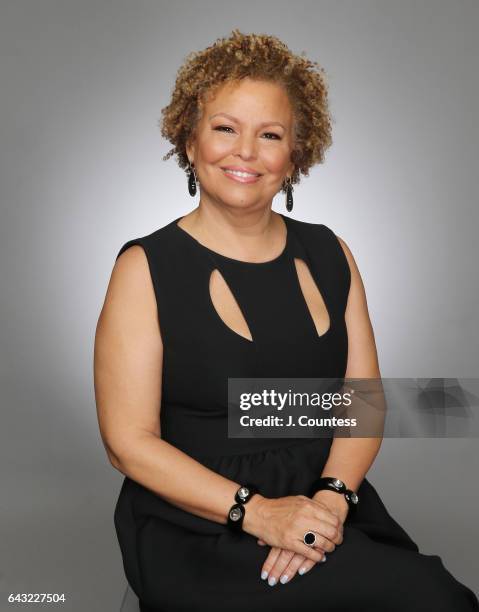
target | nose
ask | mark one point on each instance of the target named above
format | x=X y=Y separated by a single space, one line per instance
x=246 y=146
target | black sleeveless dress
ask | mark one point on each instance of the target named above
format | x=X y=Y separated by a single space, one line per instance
x=176 y=561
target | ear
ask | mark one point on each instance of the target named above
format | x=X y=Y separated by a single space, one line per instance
x=190 y=150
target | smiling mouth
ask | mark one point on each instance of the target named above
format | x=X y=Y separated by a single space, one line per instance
x=241 y=176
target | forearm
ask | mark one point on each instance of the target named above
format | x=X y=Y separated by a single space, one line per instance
x=184 y=482
x=350 y=459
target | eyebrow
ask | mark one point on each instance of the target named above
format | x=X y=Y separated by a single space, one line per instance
x=264 y=124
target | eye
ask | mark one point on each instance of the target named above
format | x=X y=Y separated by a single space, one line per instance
x=273 y=135
x=224 y=128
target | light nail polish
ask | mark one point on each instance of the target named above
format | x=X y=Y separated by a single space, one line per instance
x=284 y=578
x=301 y=571
x=264 y=575
x=324 y=559
x=271 y=581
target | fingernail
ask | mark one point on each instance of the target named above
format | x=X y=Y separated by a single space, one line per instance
x=271 y=581
x=284 y=578
x=302 y=570
x=324 y=559
x=264 y=575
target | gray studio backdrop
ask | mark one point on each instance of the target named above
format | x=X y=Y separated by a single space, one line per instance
x=81 y=88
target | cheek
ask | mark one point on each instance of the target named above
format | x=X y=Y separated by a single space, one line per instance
x=214 y=149
x=275 y=159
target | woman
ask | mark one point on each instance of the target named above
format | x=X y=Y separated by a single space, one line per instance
x=233 y=289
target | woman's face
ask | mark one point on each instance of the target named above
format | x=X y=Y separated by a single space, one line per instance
x=242 y=144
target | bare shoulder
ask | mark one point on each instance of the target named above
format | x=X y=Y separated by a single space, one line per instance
x=355 y=275
x=362 y=351
x=131 y=268
x=130 y=282
x=130 y=296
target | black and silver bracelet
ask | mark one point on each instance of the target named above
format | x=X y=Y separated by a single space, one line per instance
x=334 y=484
x=237 y=511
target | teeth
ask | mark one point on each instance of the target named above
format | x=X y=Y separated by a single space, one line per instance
x=238 y=173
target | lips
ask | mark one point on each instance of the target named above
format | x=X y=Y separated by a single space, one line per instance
x=241 y=174
x=242 y=170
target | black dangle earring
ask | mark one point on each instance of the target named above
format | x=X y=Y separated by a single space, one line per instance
x=191 y=180
x=289 y=195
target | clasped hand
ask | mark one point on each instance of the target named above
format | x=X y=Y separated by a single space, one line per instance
x=287 y=519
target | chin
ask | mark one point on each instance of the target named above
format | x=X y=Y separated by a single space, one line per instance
x=240 y=202
x=238 y=198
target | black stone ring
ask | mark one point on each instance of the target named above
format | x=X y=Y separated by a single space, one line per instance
x=309 y=538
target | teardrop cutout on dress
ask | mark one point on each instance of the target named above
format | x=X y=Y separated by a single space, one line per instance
x=313 y=298
x=226 y=306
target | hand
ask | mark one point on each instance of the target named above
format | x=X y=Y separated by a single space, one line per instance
x=336 y=503
x=283 y=564
x=284 y=522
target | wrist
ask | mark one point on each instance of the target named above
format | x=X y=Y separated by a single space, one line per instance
x=335 y=501
x=255 y=516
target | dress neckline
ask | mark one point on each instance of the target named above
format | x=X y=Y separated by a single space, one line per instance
x=276 y=259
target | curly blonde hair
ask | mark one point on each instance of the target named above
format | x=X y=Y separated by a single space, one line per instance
x=261 y=57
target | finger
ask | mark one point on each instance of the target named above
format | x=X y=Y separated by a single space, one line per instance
x=307 y=565
x=327 y=532
x=270 y=561
x=261 y=542
x=314 y=554
x=332 y=534
x=331 y=525
x=324 y=544
x=280 y=565
x=291 y=569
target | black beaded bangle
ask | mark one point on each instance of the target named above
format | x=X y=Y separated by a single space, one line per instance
x=334 y=484
x=245 y=493
x=236 y=517
x=237 y=511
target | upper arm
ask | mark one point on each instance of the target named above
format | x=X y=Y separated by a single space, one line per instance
x=362 y=352
x=128 y=356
